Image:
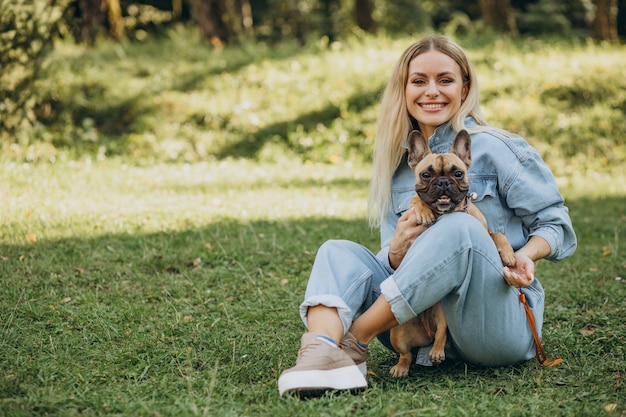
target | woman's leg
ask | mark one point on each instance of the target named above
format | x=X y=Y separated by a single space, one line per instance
x=344 y=281
x=345 y=276
x=456 y=261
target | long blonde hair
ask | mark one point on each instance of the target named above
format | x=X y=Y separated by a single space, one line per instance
x=394 y=122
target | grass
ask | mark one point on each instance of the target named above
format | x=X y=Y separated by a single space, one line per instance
x=172 y=289
x=153 y=265
x=172 y=99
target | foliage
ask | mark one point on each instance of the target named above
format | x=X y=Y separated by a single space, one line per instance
x=26 y=37
x=173 y=99
x=172 y=289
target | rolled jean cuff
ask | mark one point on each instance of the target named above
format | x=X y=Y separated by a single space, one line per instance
x=345 y=315
x=399 y=306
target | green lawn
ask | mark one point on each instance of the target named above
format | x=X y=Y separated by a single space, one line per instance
x=172 y=289
x=157 y=229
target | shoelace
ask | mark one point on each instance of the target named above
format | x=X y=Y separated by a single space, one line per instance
x=306 y=348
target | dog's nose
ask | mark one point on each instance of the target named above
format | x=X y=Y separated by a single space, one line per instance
x=443 y=183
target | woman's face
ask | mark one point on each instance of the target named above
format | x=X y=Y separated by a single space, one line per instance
x=435 y=90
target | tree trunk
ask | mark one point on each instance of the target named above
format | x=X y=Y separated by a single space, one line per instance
x=203 y=12
x=92 y=17
x=605 y=20
x=114 y=15
x=297 y=22
x=327 y=14
x=363 y=10
x=498 y=14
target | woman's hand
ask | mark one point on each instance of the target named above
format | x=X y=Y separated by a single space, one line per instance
x=407 y=230
x=522 y=274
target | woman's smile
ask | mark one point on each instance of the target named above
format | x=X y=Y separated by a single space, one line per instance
x=435 y=90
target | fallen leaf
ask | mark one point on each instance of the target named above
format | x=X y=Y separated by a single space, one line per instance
x=187 y=319
x=606 y=250
x=30 y=238
x=196 y=262
x=610 y=407
x=208 y=246
x=587 y=331
x=284 y=281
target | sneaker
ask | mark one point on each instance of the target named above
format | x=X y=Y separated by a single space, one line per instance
x=319 y=368
x=357 y=353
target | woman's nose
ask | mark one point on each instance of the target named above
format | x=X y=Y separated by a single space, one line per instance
x=433 y=89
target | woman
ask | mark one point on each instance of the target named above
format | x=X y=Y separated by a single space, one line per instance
x=354 y=295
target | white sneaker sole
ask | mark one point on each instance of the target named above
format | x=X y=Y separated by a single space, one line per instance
x=341 y=379
x=363 y=368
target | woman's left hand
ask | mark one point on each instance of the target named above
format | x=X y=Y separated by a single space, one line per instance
x=522 y=274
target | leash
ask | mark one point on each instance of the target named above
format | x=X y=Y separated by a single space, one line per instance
x=540 y=353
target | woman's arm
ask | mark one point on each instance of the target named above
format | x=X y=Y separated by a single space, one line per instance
x=523 y=273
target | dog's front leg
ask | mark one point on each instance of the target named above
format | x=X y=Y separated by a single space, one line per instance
x=424 y=214
x=507 y=254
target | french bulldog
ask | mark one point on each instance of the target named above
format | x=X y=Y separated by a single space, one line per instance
x=441 y=187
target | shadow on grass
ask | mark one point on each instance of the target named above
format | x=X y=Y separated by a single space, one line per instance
x=148 y=316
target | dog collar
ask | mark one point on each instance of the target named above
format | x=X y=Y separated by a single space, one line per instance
x=468 y=200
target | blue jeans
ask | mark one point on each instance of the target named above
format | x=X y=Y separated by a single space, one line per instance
x=454 y=261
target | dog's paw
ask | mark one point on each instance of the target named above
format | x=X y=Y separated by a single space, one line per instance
x=437 y=356
x=508 y=258
x=399 y=371
x=424 y=217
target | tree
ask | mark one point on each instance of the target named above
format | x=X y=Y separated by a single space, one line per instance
x=222 y=21
x=27 y=32
x=605 y=20
x=498 y=14
x=363 y=10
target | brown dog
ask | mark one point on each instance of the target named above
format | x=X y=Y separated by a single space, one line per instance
x=441 y=186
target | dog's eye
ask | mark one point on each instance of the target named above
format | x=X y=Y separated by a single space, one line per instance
x=426 y=175
x=459 y=174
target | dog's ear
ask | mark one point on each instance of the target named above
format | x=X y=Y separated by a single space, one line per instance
x=462 y=147
x=418 y=148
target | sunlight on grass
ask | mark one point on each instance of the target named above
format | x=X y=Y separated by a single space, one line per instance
x=156 y=244
x=91 y=198
x=66 y=199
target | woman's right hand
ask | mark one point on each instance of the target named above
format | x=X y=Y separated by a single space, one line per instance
x=407 y=230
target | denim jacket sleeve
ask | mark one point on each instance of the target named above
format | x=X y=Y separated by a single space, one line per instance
x=518 y=193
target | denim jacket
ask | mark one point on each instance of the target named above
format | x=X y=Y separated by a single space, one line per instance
x=515 y=190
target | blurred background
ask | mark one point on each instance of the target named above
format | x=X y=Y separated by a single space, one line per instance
x=185 y=80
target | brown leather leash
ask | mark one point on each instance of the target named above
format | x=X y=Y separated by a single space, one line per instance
x=540 y=353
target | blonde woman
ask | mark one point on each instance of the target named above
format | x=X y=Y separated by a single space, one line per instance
x=354 y=295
